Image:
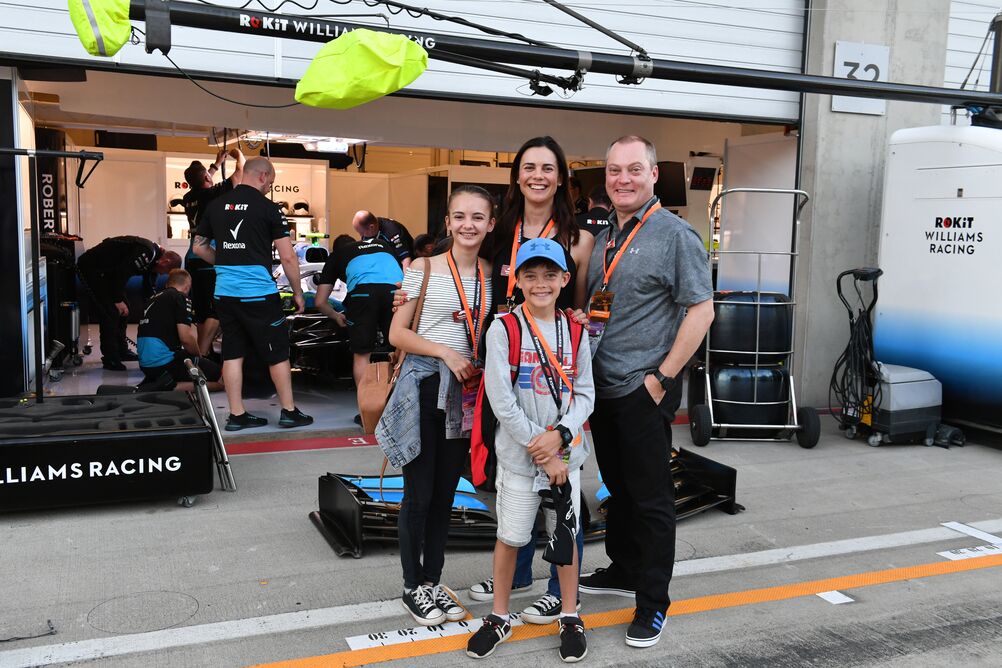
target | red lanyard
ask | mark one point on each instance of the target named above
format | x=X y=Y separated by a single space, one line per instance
x=619 y=254
x=553 y=362
x=515 y=245
x=473 y=322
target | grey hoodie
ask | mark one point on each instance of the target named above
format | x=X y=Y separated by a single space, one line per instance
x=525 y=410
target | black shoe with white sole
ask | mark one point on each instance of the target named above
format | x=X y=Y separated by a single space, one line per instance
x=494 y=632
x=645 y=631
x=573 y=643
x=606 y=581
x=421 y=604
x=545 y=610
x=484 y=590
x=446 y=601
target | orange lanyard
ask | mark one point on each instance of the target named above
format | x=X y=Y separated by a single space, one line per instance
x=550 y=357
x=515 y=245
x=472 y=323
x=619 y=254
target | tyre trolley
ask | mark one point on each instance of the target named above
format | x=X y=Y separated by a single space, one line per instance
x=742 y=390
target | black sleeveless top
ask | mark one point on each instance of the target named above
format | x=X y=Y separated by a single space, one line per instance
x=499 y=277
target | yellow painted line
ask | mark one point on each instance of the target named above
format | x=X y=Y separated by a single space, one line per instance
x=625 y=615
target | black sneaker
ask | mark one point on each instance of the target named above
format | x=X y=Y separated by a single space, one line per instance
x=645 y=631
x=545 y=610
x=606 y=581
x=421 y=605
x=573 y=643
x=494 y=632
x=129 y=356
x=357 y=420
x=112 y=365
x=294 y=418
x=484 y=590
x=244 y=421
x=447 y=601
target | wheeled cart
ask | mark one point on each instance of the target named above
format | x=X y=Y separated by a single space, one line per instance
x=743 y=388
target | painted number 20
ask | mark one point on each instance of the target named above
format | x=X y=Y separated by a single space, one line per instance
x=854 y=67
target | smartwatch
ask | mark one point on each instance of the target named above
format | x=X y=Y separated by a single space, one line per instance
x=666 y=383
x=565 y=434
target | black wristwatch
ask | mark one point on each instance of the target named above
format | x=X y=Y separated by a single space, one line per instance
x=565 y=434
x=666 y=382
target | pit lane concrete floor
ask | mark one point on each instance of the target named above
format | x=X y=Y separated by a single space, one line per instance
x=244 y=578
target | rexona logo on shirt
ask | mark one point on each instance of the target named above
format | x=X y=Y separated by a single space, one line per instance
x=235 y=245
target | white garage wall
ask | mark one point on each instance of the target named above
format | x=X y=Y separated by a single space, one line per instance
x=969 y=21
x=722 y=32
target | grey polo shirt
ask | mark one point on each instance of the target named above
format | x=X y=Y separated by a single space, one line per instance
x=665 y=269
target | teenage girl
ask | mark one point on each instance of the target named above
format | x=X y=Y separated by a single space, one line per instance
x=439 y=375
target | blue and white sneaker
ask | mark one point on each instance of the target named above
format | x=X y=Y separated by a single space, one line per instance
x=645 y=631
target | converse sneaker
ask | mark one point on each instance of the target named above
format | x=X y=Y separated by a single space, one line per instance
x=494 y=632
x=421 y=605
x=244 y=421
x=484 y=591
x=606 y=581
x=645 y=631
x=445 y=600
x=545 y=610
x=573 y=644
x=294 y=418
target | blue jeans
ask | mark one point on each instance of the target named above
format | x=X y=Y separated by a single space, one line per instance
x=523 y=566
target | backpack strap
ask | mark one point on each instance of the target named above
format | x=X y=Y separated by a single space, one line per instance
x=577 y=331
x=514 y=330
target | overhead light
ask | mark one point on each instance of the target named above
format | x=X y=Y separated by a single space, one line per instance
x=319 y=143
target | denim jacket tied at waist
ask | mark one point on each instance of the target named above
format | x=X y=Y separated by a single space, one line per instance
x=399 y=430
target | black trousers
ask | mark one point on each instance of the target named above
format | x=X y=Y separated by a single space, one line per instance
x=429 y=489
x=632 y=438
x=110 y=323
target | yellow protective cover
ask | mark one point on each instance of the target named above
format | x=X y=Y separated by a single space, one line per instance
x=102 y=25
x=358 y=67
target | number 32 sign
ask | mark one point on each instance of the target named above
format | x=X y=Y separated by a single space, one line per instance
x=865 y=62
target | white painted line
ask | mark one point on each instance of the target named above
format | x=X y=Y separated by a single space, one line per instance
x=798 y=553
x=413 y=634
x=98 y=648
x=971 y=552
x=976 y=533
x=835 y=597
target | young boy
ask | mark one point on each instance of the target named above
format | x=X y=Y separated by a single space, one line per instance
x=539 y=441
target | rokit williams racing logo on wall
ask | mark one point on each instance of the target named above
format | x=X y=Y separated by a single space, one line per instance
x=318 y=28
x=953 y=235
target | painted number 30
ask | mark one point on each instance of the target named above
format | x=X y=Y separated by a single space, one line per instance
x=854 y=67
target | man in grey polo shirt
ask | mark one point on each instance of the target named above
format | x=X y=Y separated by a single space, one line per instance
x=654 y=284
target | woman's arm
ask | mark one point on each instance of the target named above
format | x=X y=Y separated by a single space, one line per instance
x=581 y=253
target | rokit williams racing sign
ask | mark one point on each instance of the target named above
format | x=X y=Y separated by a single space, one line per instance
x=324 y=29
x=70 y=470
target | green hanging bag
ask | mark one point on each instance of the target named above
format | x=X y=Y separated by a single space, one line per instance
x=102 y=25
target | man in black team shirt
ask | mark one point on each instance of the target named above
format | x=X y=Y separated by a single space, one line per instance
x=245 y=225
x=395 y=233
x=105 y=269
x=596 y=218
x=167 y=338
x=371 y=271
x=203 y=277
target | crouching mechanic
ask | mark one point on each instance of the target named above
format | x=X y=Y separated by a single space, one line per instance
x=245 y=224
x=167 y=338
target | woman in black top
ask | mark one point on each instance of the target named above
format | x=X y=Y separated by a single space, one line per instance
x=538 y=204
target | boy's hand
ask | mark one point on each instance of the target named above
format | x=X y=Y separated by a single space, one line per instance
x=579 y=316
x=557 y=470
x=545 y=446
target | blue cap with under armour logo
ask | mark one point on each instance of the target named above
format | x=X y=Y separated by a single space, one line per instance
x=544 y=248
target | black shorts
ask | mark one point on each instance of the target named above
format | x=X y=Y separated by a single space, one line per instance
x=369 y=309
x=203 y=286
x=256 y=323
x=179 y=372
